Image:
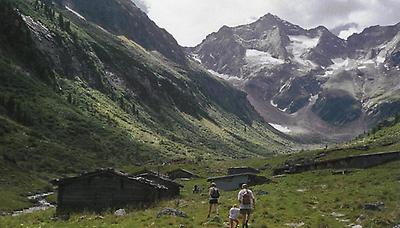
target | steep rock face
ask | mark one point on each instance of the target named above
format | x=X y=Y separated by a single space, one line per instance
x=123 y=17
x=372 y=37
x=300 y=78
x=74 y=96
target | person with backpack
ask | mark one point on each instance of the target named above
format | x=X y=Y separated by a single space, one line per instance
x=213 y=193
x=247 y=204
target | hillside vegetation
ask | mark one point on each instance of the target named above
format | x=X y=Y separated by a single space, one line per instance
x=74 y=97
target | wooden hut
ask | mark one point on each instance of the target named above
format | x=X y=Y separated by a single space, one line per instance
x=243 y=169
x=105 y=188
x=181 y=173
x=233 y=182
x=173 y=187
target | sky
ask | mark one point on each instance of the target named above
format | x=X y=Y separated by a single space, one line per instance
x=190 y=21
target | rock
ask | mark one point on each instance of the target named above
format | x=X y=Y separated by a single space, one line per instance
x=295 y=224
x=171 y=212
x=279 y=176
x=301 y=190
x=120 y=212
x=216 y=219
x=337 y=215
x=397 y=226
x=356 y=226
x=181 y=226
x=377 y=206
x=261 y=193
x=341 y=172
x=360 y=218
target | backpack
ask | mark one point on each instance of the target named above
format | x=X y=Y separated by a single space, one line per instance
x=214 y=193
x=246 y=198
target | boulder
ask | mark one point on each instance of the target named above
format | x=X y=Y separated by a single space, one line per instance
x=120 y=212
x=171 y=212
x=377 y=206
x=261 y=193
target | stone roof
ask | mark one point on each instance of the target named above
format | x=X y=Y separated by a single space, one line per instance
x=230 y=176
x=161 y=177
x=110 y=171
x=183 y=170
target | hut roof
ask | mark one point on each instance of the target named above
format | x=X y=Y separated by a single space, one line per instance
x=230 y=176
x=243 y=167
x=183 y=170
x=160 y=177
x=109 y=171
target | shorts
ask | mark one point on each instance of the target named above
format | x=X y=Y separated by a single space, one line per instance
x=213 y=201
x=245 y=211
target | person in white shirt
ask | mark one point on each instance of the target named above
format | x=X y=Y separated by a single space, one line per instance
x=233 y=216
x=247 y=204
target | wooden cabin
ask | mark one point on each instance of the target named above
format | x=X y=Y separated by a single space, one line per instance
x=181 y=173
x=243 y=169
x=105 y=188
x=173 y=187
x=235 y=181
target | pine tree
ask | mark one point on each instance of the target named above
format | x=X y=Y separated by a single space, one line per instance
x=69 y=98
x=67 y=26
x=61 y=21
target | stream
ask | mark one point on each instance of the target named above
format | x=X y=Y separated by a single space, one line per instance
x=40 y=203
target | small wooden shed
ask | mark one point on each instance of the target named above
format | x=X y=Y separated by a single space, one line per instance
x=181 y=173
x=105 y=188
x=173 y=187
x=243 y=169
x=235 y=181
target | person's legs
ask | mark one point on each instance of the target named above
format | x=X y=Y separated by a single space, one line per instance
x=248 y=218
x=236 y=221
x=244 y=216
x=209 y=210
x=216 y=208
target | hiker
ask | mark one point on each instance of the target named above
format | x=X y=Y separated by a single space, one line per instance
x=247 y=204
x=213 y=193
x=233 y=217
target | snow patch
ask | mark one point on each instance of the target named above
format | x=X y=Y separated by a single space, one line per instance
x=273 y=104
x=380 y=59
x=76 y=13
x=280 y=128
x=256 y=57
x=196 y=58
x=299 y=46
x=225 y=76
x=284 y=86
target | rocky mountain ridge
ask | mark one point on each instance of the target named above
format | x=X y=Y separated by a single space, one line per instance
x=309 y=81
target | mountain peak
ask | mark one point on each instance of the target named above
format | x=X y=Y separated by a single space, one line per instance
x=270 y=18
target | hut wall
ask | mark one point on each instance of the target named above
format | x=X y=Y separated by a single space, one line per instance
x=231 y=183
x=240 y=170
x=101 y=192
x=358 y=161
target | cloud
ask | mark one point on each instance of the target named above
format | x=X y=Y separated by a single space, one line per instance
x=142 y=5
x=191 y=20
x=344 y=34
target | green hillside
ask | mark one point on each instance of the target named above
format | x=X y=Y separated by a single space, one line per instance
x=314 y=199
x=75 y=97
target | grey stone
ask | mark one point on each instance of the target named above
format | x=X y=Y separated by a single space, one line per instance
x=377 y=206
x=120 y=212
x=171 y=212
